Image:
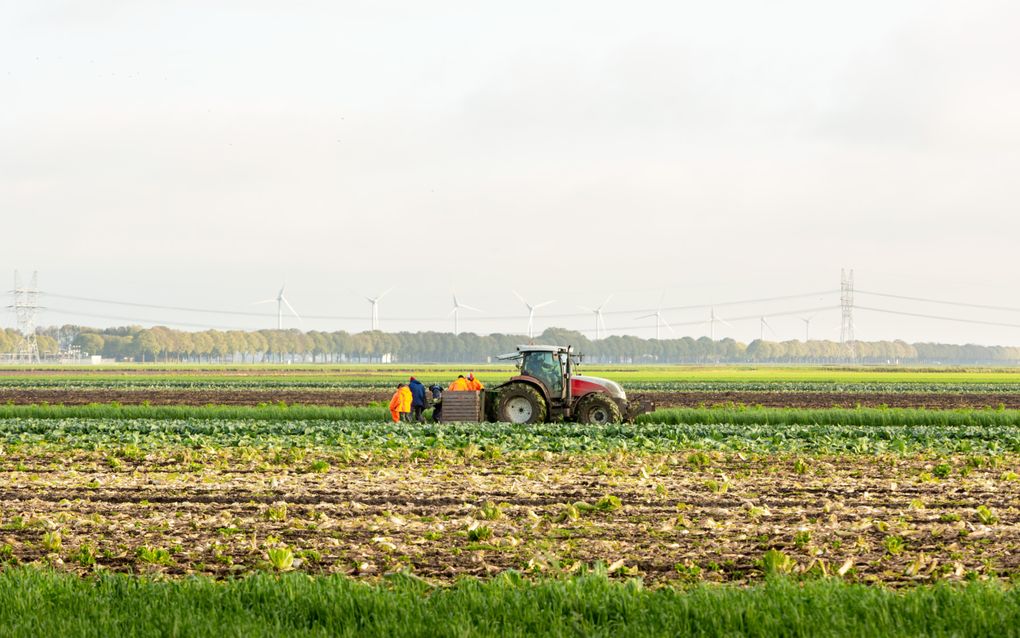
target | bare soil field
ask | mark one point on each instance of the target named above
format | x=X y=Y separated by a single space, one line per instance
x=932 y=400
x=341 y=397
x=444 y=514
x=362 y=397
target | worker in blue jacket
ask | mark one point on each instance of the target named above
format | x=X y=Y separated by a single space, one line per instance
x=418 y=401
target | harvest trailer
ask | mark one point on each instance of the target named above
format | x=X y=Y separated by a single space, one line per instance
x=547 y=387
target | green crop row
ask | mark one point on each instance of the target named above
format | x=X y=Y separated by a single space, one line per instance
x=45 y=603
x=823 y=438
x=636 y=376
x=622 y=372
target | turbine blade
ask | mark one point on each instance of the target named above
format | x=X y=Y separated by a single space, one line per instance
x=545 y=303
x=287 y=303
x=388 y=291
x=264 y=301
x=666 y=323
x=605 y=302
x=465 y=307
x=587 y=309
x=523 y=300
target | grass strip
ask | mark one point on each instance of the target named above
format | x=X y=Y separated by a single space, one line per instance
x=36 y=602
x=864 y=416
x=670 y=416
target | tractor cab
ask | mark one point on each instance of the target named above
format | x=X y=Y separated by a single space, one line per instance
x=547 y=386
x=548 y=366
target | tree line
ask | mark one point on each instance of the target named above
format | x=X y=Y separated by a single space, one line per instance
x=9 y=340
x=135 y=343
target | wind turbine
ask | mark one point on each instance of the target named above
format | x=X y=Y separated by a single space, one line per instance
x=281 y=301
x=531 y=313
x=598 y=316
x=807 y=327
x=456 y=308
x=375 y=308
x=765 y=324
x=711 y=323
x=659 y=320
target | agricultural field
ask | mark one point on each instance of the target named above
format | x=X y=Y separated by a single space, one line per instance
x=737 y=509
x=895 y=502
x=667 y=386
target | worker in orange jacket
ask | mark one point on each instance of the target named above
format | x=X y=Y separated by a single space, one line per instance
x=459 y=384
x=406 y=398
x=473 y=383
x=396 y=403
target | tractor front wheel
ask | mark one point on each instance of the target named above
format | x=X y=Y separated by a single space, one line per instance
x=598 y=409
x=520 y=403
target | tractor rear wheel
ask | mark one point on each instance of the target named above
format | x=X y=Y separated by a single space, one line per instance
x=598 y=409
x=520 y=403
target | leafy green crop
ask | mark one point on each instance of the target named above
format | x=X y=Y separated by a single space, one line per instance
x=827 y=432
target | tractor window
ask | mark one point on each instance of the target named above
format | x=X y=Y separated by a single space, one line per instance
x=545 y=366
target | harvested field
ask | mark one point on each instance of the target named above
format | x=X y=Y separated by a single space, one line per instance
x=182 y=497
x=664 y=517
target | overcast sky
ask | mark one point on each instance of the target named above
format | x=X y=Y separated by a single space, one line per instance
x=199 y=154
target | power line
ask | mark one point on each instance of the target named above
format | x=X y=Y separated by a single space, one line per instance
x=729 y=303
x=940 y=317
x=158 y=307
x=143 y=321
x=940 y=301
x=756 y=317
x=61 y=311
x=241 y=313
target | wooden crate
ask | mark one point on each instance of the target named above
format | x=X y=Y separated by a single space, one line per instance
x=463 y=406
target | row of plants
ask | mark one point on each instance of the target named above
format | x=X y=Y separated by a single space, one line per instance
x=734 y=415
x=972 y=434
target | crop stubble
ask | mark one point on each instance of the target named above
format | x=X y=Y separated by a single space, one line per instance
x=682 y=516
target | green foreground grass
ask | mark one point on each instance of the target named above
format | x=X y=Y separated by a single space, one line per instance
x=36 y=602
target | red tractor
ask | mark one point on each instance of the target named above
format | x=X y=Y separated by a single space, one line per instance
x=548 y=387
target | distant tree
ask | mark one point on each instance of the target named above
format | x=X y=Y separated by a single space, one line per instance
x=89 y=343
x=146 y=345
x=48 y=346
